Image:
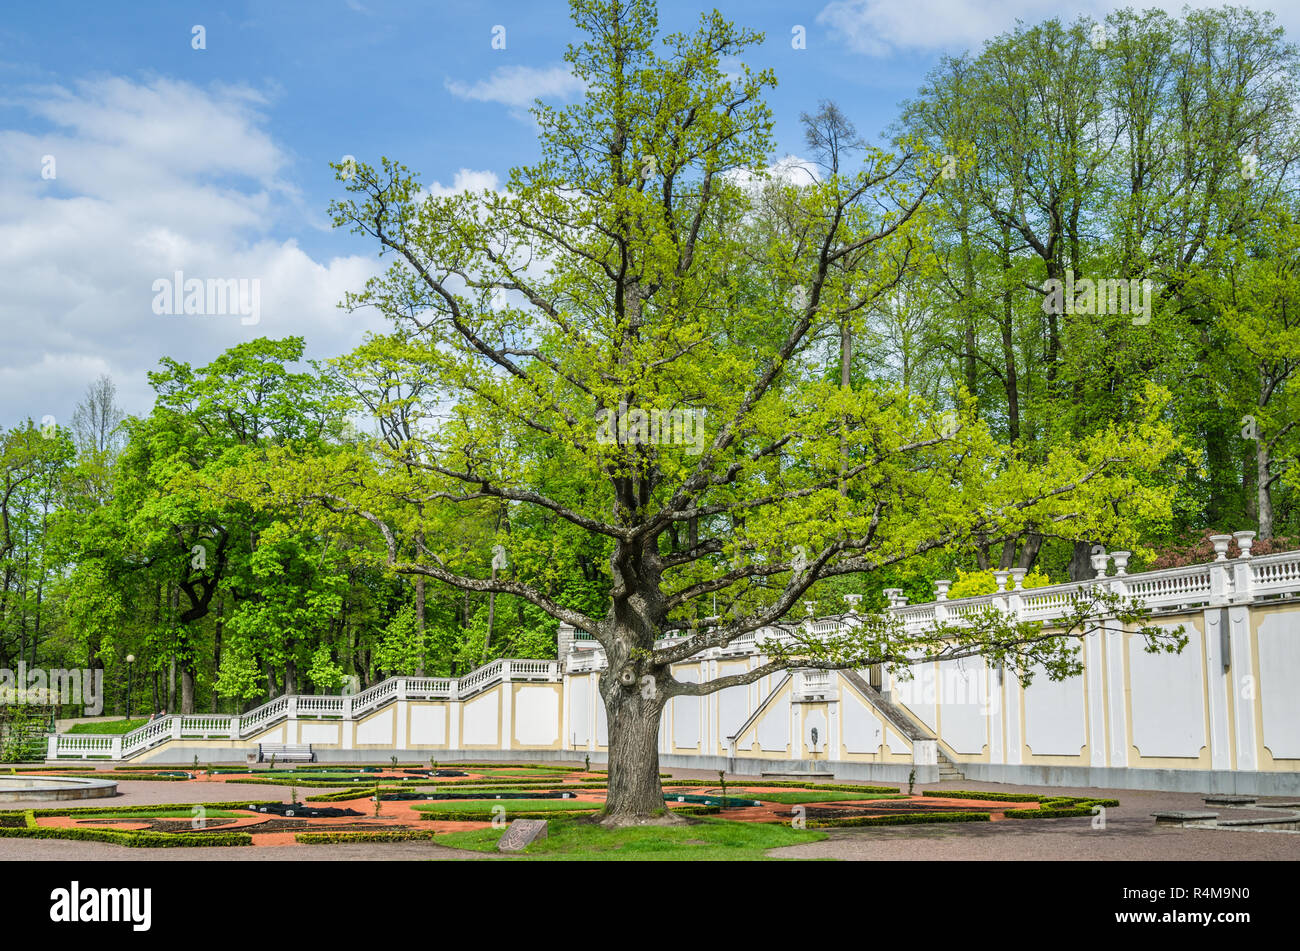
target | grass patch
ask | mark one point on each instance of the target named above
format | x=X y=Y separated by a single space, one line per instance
x=708 y=839
x=160 y=814
x=163 y=807
x=111 y=727
x=482 y=808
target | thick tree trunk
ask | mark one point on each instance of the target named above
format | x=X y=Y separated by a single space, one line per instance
x=846 y=364
x=187 y=690
x=1263 y=489
x=419 y=623
x=1081 y=562
x=635 y=796
x=216 y=647
x=1029 y=551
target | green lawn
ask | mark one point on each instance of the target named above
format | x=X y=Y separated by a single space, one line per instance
x=707 y=839
x=485 y=806
x=159 y=814
x=107 y=726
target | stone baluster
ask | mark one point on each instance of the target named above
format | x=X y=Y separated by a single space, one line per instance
x=941 y=601
x=1243 y=571
x=1220 y=579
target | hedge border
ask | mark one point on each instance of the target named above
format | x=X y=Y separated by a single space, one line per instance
x=554 y=814
x=140 y=840
x=902 y=819
x=785 y=784
x=118 y=810
x=977 y=794
x=338 y=838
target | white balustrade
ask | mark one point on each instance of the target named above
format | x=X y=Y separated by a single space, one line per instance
x=1239 y=579
x=1276 y=574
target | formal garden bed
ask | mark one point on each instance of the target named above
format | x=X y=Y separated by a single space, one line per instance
x=468 y=805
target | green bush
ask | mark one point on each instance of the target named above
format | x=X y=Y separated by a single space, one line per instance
x=978 y=583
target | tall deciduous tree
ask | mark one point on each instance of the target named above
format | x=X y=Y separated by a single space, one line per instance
x=624 y=344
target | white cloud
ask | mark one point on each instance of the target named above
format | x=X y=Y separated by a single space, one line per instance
x=880 y=27
x=518 y=86
x=466 y=180
x=151 y=178
x=789 y=170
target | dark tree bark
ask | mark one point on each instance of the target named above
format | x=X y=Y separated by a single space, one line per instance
x=635 y=792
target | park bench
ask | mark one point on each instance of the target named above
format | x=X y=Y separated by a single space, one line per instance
x=285 y=752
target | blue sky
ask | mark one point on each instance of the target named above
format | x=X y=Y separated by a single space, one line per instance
x=216 y=160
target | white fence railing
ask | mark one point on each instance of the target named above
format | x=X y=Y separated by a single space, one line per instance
x=214 y=726
x=1224 y=581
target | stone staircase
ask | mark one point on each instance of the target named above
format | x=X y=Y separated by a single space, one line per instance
x=948 y=770
x=904 y=722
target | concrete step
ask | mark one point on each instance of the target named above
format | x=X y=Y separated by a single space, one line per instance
x=800 y=774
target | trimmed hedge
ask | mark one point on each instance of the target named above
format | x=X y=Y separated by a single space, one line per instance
x=976 y=794
x=139 y=840
x=486 y=815
x=902 y=819
x=334 y=838
x=111 y=810
x=785 y=784
x=557 y=767
x=369 y=782
x=168 y=777
x=1050 y=813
